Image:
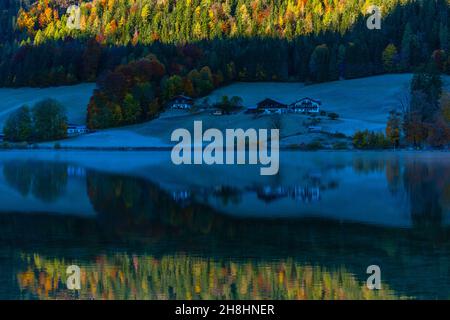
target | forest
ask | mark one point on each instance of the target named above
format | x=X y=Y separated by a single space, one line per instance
x=264 y=39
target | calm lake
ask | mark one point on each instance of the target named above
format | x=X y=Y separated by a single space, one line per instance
x=140 y=227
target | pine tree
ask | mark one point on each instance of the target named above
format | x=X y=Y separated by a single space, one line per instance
x=388 y=57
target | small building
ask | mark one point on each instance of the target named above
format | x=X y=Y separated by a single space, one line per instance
x=217 y=113
x=269 y=106
x=181 y=102
x=75 y=130
x=305 y=105
x=315 y=129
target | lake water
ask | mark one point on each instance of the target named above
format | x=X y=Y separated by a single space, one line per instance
x=142 y=228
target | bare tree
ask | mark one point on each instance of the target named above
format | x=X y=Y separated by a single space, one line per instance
x=276 y=121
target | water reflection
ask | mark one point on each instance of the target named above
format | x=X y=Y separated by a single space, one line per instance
x=185 y=277
x=46 y=181
x=308 y=233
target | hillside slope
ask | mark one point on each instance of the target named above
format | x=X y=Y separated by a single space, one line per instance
x=361 y=104
x=74 y=98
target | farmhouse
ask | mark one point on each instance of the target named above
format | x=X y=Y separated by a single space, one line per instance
x=269 y=106
x=181 y=102
x=75 y=130
x=305 y=105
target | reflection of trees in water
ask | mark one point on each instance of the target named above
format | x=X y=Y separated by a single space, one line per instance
x=137 y=215
x=19 y=176
x=393 y=175
x=368 y=165
x=134 y=200
x=44 y=180
x=126 y=276
x=425 y=184
x=228 y=195
x=130 y=203
x=224 y=240
x=123 y=200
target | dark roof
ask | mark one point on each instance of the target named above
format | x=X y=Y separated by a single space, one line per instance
x=269 y=103
x=307 y=98
x=182 y=97
x=270 y=194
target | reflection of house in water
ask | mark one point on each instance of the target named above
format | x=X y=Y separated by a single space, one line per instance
x=299 y=193
x=226 y=194
x=75 y=171
x=266 y=193
x=181 y=196
x=269 y=193
x=305 y=194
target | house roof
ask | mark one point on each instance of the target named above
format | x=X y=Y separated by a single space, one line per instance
x=269 y=103
x=310 y=99
x=182 y=97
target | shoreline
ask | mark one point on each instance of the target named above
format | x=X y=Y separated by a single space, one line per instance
x=169 y=148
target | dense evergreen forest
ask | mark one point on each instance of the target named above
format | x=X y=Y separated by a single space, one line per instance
x=307 y=40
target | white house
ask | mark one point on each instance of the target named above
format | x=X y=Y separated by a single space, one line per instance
x=181 y=102
x=305 y=105
x=75 y=130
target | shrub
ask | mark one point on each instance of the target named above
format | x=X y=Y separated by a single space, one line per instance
x=5 y=145
x=333 y=115
x=340 y=145
x=370 y=140
x=50 y=120
x=339 y=135
x=227 y=105
x=22 y=145
x=314 y=145
x=45 y=121
x=314 y=121
x=19 y=126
